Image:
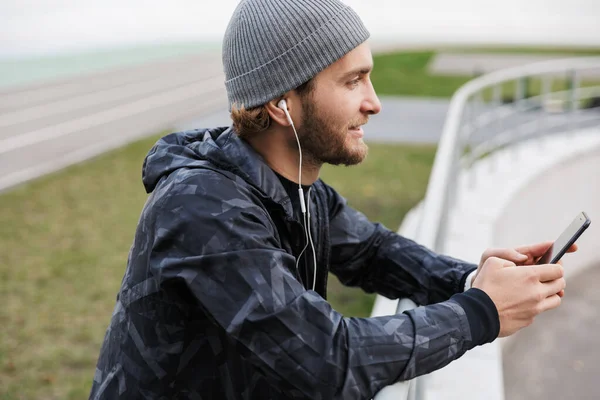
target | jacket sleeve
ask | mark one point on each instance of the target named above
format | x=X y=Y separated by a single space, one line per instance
x=370 y=256
x=221 y=244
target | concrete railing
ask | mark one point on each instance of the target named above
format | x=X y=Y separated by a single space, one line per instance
x=491 y=113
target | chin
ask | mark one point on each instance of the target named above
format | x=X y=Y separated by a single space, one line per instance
x=355 y=154
x=359 y=149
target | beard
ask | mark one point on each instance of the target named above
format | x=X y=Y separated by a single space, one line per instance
x=324 y=141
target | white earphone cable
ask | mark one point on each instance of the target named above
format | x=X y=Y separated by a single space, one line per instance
x=311 y=243
x=305 y=215
x=305 y=246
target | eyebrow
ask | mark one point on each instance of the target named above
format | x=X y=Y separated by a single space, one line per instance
x=358 y=71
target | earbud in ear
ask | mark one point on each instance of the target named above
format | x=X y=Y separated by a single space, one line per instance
x=283 y=105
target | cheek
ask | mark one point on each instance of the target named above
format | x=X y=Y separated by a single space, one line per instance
x=349 y=109
x=342 y=116
x=337 y=106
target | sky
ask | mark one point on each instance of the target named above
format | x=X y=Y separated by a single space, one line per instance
x=33 y=27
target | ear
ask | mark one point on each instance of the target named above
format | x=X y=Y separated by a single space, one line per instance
x=276 y=113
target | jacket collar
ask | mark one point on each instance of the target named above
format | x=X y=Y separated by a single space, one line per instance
x=252 y=167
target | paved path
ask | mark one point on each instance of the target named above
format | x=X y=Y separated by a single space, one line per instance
x=46 y=127
x=558 y=357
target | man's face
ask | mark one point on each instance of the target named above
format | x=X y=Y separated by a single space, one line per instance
x=340 y=102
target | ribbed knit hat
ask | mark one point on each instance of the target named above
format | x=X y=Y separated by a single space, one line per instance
x=273 y=46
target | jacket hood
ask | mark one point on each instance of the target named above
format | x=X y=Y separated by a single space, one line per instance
x=218 y=148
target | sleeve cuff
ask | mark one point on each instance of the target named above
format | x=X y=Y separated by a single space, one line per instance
x=482 y=315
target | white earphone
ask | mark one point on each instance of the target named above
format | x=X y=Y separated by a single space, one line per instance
x=282 y=104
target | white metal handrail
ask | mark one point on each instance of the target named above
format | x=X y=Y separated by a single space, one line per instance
x=534 y=103
x=456 y=152
x=452 y=144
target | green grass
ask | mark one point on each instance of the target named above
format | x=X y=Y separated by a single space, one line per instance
x=65 y=239
x=405 y=73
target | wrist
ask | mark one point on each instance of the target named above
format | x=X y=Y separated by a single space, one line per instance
x=469 y=280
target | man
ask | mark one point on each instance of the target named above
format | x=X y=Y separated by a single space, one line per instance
x=224 y=292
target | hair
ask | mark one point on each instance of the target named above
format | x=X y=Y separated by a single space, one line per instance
x=249 y=122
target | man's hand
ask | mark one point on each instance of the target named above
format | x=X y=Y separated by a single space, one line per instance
x=524 y=255
x=520 y=294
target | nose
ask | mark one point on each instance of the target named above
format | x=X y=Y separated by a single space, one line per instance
x=371 y=104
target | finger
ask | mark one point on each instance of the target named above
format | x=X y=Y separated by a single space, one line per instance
x=553 y=287
x=506 y=254
x=499 y=262
x=550 y=303
x=561 y=293
x=573 y=248
x=535 y=250
x=548 y=272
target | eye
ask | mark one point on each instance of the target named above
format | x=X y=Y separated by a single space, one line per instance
x=354 y=82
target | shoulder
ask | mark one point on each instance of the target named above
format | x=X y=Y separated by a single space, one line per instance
x=206 y=189
x=206 y=211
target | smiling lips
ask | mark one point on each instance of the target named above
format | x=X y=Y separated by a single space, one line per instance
x=357 y=130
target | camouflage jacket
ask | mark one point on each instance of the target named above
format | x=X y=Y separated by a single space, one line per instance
x=211 y=305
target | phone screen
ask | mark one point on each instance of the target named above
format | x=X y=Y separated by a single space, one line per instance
x=564 y=239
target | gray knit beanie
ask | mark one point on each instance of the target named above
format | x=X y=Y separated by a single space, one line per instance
x=273 y=46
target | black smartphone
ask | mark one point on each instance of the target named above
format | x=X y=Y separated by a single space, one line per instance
x=565 y=240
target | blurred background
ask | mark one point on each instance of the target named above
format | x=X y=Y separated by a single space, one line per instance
x=86 y=89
